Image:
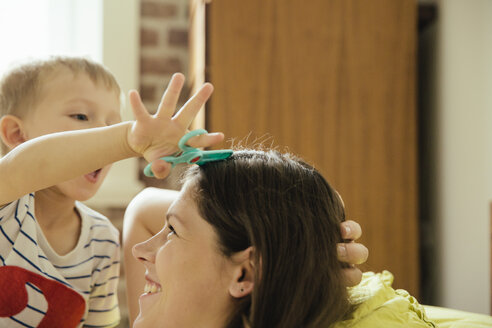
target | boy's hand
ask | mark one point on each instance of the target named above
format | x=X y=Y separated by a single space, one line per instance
x=155 y=136
x=351 y=252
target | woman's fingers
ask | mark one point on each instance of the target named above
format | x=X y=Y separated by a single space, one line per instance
x=352 y=276
x=187 y=113
x=170 y=97
x=352 y=253
x=350 y=230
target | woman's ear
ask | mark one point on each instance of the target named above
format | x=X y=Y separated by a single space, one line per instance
x=243 y=279
x=11 y=131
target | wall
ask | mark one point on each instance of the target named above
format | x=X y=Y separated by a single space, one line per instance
x=463 y=152
x=164 y=46
x=120 y=53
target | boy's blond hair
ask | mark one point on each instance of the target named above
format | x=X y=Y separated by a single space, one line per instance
x=20 y=88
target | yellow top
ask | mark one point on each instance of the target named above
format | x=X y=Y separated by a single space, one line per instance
x=450 y=318
x=378 y=305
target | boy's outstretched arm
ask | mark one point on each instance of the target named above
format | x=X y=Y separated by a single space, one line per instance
x=47 y=160
x=50 y=159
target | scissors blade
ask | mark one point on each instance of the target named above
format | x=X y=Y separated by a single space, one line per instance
x=214 y=155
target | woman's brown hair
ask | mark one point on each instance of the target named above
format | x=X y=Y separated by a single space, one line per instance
x=287 y=211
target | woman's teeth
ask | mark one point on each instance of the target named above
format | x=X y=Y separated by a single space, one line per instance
x=151 y=288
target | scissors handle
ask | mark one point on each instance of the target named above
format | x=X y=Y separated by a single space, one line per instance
x=182 y=142
x=148 y=171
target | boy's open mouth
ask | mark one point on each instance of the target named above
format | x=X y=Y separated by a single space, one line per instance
x=92 y=177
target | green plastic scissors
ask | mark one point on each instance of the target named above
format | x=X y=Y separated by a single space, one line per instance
x=192 y=155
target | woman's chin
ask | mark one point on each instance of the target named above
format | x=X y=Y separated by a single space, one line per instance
x=141 y=322
x=144 y=322
x=138 y=321
x=150 y=314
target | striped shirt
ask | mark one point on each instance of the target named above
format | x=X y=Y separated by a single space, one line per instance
x=91 y=268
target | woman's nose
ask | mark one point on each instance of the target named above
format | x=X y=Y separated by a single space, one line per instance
x=144 y=251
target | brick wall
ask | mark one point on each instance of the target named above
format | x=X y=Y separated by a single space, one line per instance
x=164 y=51
x=164 y=46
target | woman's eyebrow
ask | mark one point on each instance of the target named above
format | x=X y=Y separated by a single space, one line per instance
x=176 y=217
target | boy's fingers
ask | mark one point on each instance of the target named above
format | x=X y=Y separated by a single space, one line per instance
x=350 y=230
x=352 y=253
x=170 y=97
x=160 y=168
x=187 y=113
x=352 y=276
x=206 y=140
x=138 y=108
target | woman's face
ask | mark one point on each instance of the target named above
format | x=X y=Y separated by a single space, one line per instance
x=187 y=276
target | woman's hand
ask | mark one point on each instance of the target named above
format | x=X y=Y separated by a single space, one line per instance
x=351 y=252
x=155 y=136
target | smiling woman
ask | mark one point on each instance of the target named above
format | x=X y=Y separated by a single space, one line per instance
x=251 y=241
x=243 y=234
x=182 y=251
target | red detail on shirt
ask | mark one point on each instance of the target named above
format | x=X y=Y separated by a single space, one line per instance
x=65 y=306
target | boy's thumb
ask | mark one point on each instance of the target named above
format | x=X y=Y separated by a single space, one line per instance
x=160 y=168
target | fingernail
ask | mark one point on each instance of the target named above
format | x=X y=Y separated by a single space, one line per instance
x=347 y=231
x=342 y=251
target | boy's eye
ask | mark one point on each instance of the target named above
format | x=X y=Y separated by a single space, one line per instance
x=80 y=117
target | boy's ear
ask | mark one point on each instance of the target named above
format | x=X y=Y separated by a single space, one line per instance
x=11 y=131
x=243 y=279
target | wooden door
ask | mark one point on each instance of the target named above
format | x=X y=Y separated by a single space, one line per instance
x=334 y=81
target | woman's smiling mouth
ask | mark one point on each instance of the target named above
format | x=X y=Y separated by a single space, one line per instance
x=152 y=288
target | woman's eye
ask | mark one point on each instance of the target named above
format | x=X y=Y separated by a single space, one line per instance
x=171 y=231
x=80 y=117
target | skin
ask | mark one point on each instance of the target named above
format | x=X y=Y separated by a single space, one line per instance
x=68 y=104
x=72 y=132
x=145 y=217
x=183 y=261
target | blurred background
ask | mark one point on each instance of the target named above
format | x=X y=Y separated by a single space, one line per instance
x=390 y=99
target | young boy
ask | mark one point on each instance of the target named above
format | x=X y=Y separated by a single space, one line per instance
x=60 y=130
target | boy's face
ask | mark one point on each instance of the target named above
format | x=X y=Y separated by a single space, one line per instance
x=73 y=102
